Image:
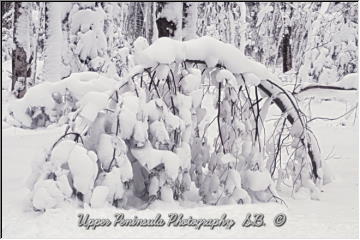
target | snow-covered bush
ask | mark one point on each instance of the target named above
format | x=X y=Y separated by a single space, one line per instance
x=51 y=102
x=145 y=135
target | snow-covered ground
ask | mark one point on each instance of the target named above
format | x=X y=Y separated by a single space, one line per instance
x=334 y=216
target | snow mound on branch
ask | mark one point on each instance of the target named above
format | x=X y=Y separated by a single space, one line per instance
x=191 y=81
x=159 y=132
x=251 y=79
x=83 y=168
x=212 y=51
x=92 y=103
x=348 y=92
x=225 y=76
x=349 y=81
x=90 y=45
x=162 y=71
x=227 y=158
x=64 y=185
x=127 y=120
x=140 y=135
x=164 y=51
x=46 y=195
x=105 y=150
x=166 y=194
x=154 y=109
x=91 y=38
x=256 y=180
x=184 y=153
x=149 y=158
x=241 y=194
x=61 y=152
x=41 y=95
x=99 y=195
x=233 y=180
x=172 y=121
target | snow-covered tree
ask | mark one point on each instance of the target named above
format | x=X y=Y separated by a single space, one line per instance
x=54 y=42
x=7 y=11
x=164 y=101
x=87 y=39
x=331 y=54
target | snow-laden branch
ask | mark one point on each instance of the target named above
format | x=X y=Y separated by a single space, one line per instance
x=340 y=89
x=216 y=54
x=204 y=49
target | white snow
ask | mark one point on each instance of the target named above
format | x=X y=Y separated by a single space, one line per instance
x=166 y=194
x=91 y=103
x=208 y=49
x=158 y=131
x=46 y=195
x=105 y=150
x=191 y=81
x=61 y=152
x=54 y=43
x=79 y=84
x=184 y=153
x=83 y=168
x=306 y=218
x=88 y=24
x=349 y=81
x=256 y=180
x=148 y=126
x=99 y=195
x=150 y=158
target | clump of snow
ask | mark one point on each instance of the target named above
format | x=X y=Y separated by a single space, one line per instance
x=184 y=153
x=140 y=135
x=162 y=71
x=99 y=195
x=105 y=150
x=46 y=194
x=83 y=167
x=150 y=158
x=91 y=103
x=61 y=152
x=349 y=81
x=127 y=120
x=226 y=77
x=158 y=132
x=172 y=121
x=208 y=49
x=41 y=95
x=191 y=81
x=256 y=180
x=228 y=158
x=88 y=24
x=166 y=194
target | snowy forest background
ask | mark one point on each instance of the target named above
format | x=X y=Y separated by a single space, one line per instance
x=204 y=108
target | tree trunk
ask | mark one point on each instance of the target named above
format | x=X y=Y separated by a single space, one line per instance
x=169 y=19
x=21 y=54
x=286 y=45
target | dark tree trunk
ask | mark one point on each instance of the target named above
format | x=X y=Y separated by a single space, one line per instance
x=21 y=69
x=286 y=51
x=165 y=28
x=286 y=45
